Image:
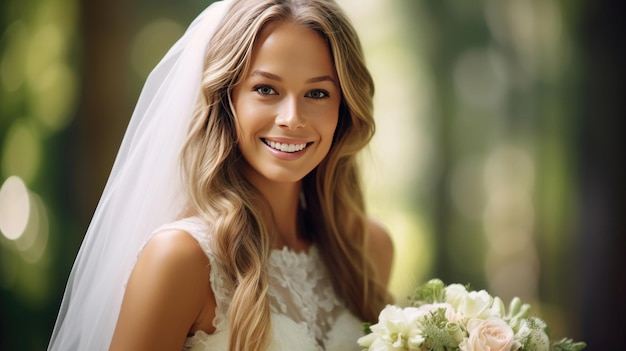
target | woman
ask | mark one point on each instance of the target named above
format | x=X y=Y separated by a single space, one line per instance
x=265 y=243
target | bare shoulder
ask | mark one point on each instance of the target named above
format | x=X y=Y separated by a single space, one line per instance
x=165 y=294
x=175 y=247
x=173 y=255
x=380 y=249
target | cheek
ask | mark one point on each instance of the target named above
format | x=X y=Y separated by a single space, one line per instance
x=244 y=116
x=330 y=126
x=327 y=134
x=327 y=118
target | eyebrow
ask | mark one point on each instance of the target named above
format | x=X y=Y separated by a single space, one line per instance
x=272 y=76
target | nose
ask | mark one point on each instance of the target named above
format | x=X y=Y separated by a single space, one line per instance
x=290 y=115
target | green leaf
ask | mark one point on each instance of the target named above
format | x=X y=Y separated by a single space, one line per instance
x=366 y=328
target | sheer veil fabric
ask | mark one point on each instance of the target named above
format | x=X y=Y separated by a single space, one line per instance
x=143 y=192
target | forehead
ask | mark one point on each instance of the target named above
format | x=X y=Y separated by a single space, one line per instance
x=284 y=45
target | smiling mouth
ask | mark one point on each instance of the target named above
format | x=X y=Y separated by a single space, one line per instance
x=285 y=147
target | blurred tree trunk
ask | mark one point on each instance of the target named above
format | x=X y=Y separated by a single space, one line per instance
x=603 y=257
x=104 y=107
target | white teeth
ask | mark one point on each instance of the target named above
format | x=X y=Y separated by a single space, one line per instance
x=284 y=147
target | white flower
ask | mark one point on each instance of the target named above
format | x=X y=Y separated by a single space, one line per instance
x=395 y=327
x=455 y=293
x=473 y=304
x=497 y=308
x=476 y=304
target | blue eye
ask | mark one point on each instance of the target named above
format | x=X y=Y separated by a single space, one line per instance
x=264 y=90
x=317 y=94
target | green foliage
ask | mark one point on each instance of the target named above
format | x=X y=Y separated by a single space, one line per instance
x=567 y=344
x=436 y=330
x=431 y=292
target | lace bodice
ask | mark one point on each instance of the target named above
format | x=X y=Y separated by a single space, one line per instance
x=306 y=313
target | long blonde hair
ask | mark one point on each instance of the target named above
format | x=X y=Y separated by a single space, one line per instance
x=219 y=192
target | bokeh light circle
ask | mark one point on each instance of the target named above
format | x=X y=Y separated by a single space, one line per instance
x=14 y=207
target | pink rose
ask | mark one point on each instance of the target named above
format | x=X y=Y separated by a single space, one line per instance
x=492 y=334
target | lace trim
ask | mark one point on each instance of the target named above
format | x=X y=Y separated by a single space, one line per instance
x=300 y=289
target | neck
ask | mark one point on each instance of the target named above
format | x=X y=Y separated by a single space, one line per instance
x=281 y=217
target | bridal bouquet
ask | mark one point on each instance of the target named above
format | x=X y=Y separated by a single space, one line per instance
x=446 y=318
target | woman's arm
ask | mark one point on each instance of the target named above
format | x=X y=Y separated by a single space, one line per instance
x=165 y=295
x=381 y=250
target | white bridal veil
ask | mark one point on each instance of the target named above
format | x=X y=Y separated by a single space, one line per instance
x=143 y=192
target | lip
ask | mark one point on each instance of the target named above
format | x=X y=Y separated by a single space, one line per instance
x=286 y=155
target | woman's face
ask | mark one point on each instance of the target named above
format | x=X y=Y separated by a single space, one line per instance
x=287 y=105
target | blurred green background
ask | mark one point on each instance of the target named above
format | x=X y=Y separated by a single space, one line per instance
x=498 y=158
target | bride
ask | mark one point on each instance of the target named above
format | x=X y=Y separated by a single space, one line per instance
x=233 y=218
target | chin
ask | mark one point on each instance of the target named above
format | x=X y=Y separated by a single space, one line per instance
x=284 y=178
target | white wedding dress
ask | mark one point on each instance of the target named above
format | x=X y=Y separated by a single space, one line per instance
x=306 y=314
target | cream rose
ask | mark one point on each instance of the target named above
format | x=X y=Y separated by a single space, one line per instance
x=491 y=334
